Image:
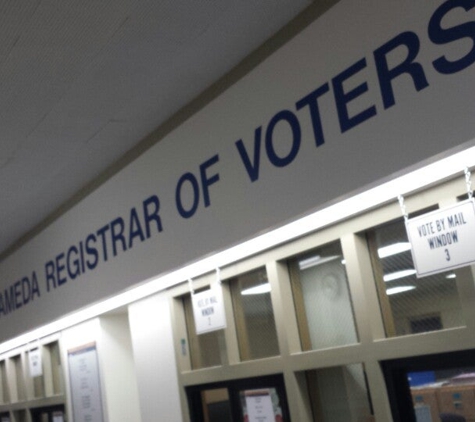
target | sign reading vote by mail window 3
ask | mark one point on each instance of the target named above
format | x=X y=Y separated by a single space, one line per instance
x=443 y=239
x=208 y=310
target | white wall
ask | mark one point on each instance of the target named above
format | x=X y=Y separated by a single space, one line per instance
x=77 y=336
x=295 y=179
x=152 y=340
x=120 y=400
x=119 y=370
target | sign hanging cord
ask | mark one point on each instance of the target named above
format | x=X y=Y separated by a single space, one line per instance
x=468 y=182
x=190 y=284
x=403 y=207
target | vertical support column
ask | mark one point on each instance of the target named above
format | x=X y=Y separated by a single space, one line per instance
x=155 y=360
x=244 y=352
x=30 y=390
x=12 y=379
x=47 y=371
x=289 y=341
x=378 y=392
x=465 y=282
x=230 y=335
x=182 y=347
x=118 y=369
x=368 y=317
x=297 y=395
x=3 y=387
x=362 y=288
x=284 y=310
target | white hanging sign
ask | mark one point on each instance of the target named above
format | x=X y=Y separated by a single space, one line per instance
x=208 y=310
x=443 y=240
x=35 y=363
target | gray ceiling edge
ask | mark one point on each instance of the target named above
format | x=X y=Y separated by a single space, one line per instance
x=285 y=34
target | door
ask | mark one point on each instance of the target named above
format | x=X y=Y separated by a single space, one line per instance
x=261 y=399
x=48 y=414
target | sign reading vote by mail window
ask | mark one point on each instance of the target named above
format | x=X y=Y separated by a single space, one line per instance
x=208 y=310
x=444 y=239
x=35 y=363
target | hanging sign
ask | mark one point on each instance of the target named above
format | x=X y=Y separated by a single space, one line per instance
x=208 y=310
x=444 y=239
x=35 y=363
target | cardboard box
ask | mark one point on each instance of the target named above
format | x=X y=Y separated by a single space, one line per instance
x=457 y=399
x=427 y=396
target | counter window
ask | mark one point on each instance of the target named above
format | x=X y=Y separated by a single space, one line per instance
x=410 y=305
x=205 y=349
x=339 y=394
x=322 y=298
x=254 y=315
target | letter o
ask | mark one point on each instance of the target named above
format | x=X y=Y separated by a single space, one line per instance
x=291 y=119
x=191 y=179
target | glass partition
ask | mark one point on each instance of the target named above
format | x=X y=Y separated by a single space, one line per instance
x=409 y=304
x=339 y=394
x=254 y=315
x=206 y=350
x=322 y=298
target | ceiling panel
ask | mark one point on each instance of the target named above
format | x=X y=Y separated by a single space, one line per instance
x=82 y=82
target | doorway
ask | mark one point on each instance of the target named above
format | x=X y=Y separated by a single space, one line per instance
x=48 y=414
x=432 y=388
x=260 y=399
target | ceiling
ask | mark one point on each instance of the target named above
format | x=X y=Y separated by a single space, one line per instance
x=84 y=81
